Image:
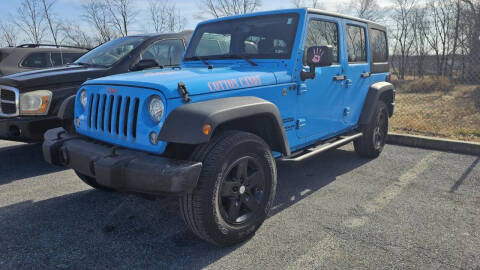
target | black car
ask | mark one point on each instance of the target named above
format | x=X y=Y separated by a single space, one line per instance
x=30 y=101
x=28 y=57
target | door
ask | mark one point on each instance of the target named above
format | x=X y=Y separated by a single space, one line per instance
x=357 y=71
x=320 y=100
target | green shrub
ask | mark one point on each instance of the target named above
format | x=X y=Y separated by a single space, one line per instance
x=429 y=85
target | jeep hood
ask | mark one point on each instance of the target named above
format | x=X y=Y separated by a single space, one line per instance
x=198 y=80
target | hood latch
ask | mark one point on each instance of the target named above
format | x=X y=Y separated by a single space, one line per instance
x=182 y=89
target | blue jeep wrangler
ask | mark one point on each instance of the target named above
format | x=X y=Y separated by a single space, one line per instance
x=251 y=89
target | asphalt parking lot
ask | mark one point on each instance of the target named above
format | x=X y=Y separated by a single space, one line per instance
x=408 y=209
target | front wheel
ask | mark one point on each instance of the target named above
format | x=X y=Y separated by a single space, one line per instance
x=374 y=134
x=235 y=190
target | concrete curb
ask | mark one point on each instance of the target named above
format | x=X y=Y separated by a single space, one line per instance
x=461 y=147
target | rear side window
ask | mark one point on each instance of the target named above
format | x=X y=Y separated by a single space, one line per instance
x=323 y=33
x=166 y=52
x=36 y=60
x=378 y=46
x=56 y=59
x=69 y=58
x=356 y=44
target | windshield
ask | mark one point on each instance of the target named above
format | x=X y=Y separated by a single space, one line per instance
x=268 y=37
x=109 y=53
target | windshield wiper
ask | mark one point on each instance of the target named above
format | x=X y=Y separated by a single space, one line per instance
x=201 y=59
x=239 y=56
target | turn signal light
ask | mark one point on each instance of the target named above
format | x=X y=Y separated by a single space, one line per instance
x=207 y=129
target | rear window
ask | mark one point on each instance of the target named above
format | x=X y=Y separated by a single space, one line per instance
x=36 y=60
x=378 y=44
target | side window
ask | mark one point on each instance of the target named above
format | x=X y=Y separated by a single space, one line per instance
x=56 y=59
x=36 y=60
x=323 y=33
x=167 y=52
x=378 y=46
x=356 y=44
x=71 y=57
x=213 y=44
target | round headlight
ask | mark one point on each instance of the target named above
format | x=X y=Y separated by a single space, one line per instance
x=156 y=108
x=83 y=98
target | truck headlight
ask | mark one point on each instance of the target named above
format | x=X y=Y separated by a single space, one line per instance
x=83 y=98
x=35 y=102
x=156 y=108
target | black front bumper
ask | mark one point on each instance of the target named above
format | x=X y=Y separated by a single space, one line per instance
x=118 y=168
x=27 y=129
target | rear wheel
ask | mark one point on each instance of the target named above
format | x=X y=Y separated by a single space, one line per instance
x=374 y=134
x=91 y=182
x=235 y=190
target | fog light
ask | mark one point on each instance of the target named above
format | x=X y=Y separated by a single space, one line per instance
x=77 y=122
x=153 y=138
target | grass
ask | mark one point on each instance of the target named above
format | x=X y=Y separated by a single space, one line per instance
x=450 y=115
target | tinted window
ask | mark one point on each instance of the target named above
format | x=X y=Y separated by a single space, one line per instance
x=110 y=52
x=378 y=46
x=36 y=60
x=70 y=57
x=267 y=36
x=356 y=44
x=323 y=33
x=166 y=52
x=56 y=59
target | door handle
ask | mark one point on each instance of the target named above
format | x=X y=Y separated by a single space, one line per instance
x=339 y=78
x=366 y=74
x=348 y=83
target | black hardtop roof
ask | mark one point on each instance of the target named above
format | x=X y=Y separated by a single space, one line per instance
x=343 y=16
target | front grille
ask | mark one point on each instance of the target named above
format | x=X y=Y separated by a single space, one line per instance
x=8 y=101
x=113 y=114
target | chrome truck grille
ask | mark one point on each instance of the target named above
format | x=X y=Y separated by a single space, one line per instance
x=9 y=98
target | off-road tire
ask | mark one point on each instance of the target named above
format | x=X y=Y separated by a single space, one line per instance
x=92 y=182
x=203 y=209
x=374 y=134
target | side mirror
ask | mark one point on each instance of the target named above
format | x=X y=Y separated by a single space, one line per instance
x=144 y=64
x=317 y=56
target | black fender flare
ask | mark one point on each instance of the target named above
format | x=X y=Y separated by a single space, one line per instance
x=67 y=109
x=378 y=91
x=184 y=124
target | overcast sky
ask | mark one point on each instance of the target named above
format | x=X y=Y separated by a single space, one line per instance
x=72 y=9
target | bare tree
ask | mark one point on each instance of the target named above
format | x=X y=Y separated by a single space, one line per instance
x=8 y=33
x=473 y=37
x=403 y=11
x=221 y=8
x=74 y=35
x=97 y=13
x=165 y=17
x=30 y=20
x=53 y=24
x=366 y=9
x=122 y=13
x=308 y=3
